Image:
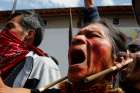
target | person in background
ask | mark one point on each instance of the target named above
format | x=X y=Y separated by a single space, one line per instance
x=130 y=81
x=22 y=64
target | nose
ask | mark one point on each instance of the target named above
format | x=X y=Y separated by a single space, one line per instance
x=78 y=40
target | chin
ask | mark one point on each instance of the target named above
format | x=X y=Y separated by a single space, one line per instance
x=79 y=59
x=76 y=77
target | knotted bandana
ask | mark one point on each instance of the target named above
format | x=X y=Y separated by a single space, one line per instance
x=13 y=51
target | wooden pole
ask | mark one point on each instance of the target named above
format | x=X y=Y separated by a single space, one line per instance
x=52 y=84
x=14 y=6
x=70 y=26
x=107 y=71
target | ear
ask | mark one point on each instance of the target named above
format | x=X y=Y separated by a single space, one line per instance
x=31 y=33
x=29 y=39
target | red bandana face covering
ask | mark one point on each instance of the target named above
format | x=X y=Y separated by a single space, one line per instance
x=12 y=52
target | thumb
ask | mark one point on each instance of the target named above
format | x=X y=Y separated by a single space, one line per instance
x=1 y=83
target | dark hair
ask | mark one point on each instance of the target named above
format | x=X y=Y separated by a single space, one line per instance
x=31 y=20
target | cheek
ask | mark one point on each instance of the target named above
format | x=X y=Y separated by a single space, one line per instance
x=101 y=47
x=101 y=55
x=17 y=35
x=105 y=51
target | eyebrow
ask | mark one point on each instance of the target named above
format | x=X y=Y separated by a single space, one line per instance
x=90 y=31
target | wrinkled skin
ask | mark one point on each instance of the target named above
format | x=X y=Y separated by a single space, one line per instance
x=90 y=52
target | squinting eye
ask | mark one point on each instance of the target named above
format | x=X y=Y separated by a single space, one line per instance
x=90 y=35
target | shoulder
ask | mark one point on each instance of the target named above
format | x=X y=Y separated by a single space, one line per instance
x=43 y=61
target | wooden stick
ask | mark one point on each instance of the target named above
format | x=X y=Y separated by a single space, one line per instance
x=52 y=84
x=14 y=6
x=70 y=26
x=107 y=71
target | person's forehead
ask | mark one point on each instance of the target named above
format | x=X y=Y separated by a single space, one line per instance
x=96 y=27
x=16 y=18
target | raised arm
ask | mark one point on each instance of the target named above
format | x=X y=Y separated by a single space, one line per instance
x=89 y=3
x=90 y=12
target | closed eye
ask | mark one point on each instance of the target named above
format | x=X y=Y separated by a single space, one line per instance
x=93 y=34
x=90 y=34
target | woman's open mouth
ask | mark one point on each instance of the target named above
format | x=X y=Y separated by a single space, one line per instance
x=77 y=56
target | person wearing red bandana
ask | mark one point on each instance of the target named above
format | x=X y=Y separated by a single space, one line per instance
x=22 y=64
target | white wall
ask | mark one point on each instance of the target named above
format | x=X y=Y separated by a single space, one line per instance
x=56 y=44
